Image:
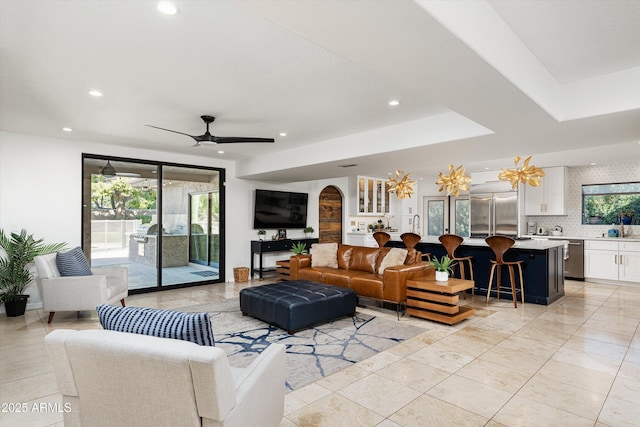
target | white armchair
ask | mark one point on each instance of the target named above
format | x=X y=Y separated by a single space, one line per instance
x=110 y=378
x=79 y=293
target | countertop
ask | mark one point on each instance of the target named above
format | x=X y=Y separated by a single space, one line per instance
x=624 y=239
x=520 y=244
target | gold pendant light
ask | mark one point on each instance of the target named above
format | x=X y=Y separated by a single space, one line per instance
x=403 y=187
x=454 y=182
x=526 y=174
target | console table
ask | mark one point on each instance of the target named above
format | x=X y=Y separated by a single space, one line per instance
x=258 y=247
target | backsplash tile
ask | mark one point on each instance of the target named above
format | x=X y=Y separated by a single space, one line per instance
x=599 y=174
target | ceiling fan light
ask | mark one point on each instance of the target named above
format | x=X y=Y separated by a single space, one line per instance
x=108 y=171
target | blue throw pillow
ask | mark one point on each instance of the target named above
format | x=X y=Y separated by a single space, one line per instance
x=194 y=327
x=73 y=263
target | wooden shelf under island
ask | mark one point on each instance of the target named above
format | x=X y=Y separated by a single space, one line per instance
x=437 y=301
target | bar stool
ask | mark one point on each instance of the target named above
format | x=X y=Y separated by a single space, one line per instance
x=499 y=245
x=410 y=240
x=451 y=243
x=382 y=238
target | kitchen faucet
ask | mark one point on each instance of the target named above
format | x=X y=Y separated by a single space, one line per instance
x=413 y=223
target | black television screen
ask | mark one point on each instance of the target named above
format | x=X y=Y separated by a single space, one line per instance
x=280 y=209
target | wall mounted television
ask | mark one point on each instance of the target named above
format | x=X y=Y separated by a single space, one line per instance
x=280 y=209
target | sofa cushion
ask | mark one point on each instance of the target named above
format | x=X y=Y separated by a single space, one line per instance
x=364 y=259
x=395 y=256
x=344 y=256
x=73 y=263
x=324 y=255
x=341 y=277
x=313 y=274
x=194 y=327
x=368 y=285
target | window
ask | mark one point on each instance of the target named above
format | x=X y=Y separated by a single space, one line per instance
x=611 y=203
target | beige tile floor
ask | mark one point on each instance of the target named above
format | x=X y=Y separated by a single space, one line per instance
x=573 y=363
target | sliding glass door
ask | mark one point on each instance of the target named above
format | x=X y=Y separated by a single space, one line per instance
x=161 y=221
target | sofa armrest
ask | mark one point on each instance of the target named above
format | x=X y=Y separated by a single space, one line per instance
x=260 y=390
x=74 y=293
x=296 y=263
x=395 y=279
x=117 y=273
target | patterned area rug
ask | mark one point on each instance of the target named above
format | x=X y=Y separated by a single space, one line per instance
x=312 y=353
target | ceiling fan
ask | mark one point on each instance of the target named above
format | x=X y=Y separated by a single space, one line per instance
x=208 y=138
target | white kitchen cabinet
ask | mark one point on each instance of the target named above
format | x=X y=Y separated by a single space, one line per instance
x=550 y=197
x=612 y=260
x=629 y=261
x=372 y=197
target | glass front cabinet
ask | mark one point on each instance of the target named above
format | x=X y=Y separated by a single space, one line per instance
x=371 y=195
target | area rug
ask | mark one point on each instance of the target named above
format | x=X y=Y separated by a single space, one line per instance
x=311 y=353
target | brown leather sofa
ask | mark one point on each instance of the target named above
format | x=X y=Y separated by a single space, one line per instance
x=358 y=270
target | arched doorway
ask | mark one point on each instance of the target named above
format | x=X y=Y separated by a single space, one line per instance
x=330 y=215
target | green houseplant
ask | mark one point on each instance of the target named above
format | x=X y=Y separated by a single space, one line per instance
x=308 y=231
x=443 y=267
x=19 y=251
x=261 y=233
x=299 y=248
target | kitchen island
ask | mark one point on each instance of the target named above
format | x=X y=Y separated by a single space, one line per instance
x=542 y=267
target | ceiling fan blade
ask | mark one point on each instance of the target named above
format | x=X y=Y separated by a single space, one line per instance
x=174 y=131
x=233 y=139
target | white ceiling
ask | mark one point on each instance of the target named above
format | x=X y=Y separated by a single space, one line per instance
x=479 y=82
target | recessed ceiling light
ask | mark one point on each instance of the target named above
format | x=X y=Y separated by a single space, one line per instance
x=593 y=163
x=66 y=129
x=283 y=134
x=167 y=8
x=95 y=93
x=394 y=102
x=486 y=168
x=220 y=152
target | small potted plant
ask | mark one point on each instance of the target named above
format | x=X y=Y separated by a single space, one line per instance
x=626 y=216
x=308 y=231
x=261 y=233
x=19 y=251
x=443 y=267
x=299 y=248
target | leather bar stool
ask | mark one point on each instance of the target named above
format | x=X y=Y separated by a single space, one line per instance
x=499 y=245
x=382 y=238
x=451 y=243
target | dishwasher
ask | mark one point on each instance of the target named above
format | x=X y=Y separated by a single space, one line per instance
x=574 y=260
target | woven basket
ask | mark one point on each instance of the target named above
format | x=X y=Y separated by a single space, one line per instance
x=241 y=274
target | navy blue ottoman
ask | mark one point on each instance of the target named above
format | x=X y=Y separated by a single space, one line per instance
x=297 y=304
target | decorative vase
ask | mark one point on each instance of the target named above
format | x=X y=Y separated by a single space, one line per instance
x=627 y=220
x=442 y=276
x=17 y=307
x=261 y=236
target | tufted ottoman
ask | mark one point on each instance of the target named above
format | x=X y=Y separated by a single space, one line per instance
x=297 y=304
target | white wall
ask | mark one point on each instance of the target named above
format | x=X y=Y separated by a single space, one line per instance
x=40 y=190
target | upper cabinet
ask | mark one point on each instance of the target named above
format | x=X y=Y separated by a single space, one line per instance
x=372 y=197
x=549 y=198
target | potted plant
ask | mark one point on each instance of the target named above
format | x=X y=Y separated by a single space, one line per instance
x=308 y=231
x=443 y=267
x=626 y=216
x=19 y=251
x=261 y=233
x=299 y=248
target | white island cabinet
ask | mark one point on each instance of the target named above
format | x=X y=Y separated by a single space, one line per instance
x=549 y=198
x=612 y=260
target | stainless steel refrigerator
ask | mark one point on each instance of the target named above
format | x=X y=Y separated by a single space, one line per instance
x=494 y=213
